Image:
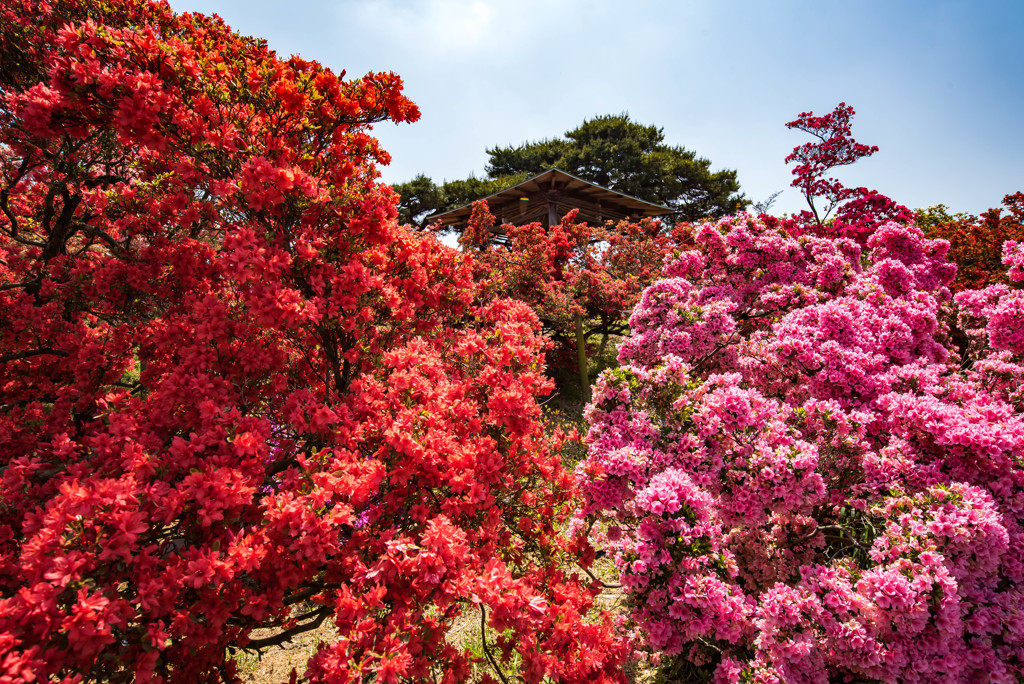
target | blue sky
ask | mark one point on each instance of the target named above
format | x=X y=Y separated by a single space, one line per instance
x=938 y=86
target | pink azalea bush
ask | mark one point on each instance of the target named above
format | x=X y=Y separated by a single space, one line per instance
x=810 y=465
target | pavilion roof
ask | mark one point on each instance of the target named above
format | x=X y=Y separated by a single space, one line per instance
x=555 y=191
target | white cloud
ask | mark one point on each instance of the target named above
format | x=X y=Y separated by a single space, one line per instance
x=446 y=28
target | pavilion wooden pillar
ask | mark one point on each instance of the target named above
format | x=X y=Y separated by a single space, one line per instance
x=553 y=202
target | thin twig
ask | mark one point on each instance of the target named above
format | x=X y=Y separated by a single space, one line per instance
x=815 y=531
x=548 y=400
x=307 y=593
x=483 y=640
x=594 y=577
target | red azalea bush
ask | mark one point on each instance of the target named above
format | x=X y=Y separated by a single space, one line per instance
x=803 y=477
x=236 y=395
x=976 y=243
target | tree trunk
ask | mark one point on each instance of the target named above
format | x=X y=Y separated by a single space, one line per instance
x=581 y=357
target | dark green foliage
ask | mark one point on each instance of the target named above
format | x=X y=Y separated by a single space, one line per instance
x=418 y=198
x=421 y=197
x=529 y=158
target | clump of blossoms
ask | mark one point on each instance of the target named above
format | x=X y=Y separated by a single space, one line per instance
x=810 y=465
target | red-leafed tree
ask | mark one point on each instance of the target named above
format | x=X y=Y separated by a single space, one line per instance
x=234 y=394
x=571 y=271
x=858 y=211
x=976 y=243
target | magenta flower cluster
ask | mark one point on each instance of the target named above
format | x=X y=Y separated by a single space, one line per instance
x=809 y=466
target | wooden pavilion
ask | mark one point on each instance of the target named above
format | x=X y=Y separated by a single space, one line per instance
x=549 y=196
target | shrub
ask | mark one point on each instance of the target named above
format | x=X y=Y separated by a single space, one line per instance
x=804 y=477
x=232 y=386
x=570 y=270
x=976 y=243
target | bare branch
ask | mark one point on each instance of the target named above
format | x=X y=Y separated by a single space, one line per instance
x=307 y=593
x=487 y=650
x=595 y=578
x=34 y=352
x=316 y=618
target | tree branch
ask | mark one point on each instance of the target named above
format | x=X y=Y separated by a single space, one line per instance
x=487 y=650
x=103 y=180
x=5 y=195
x=318 y=618
x=595 y=578
x=34 y=352
x=106 y=237
x=306 y=593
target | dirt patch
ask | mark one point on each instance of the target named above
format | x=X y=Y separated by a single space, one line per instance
x=275 y=665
